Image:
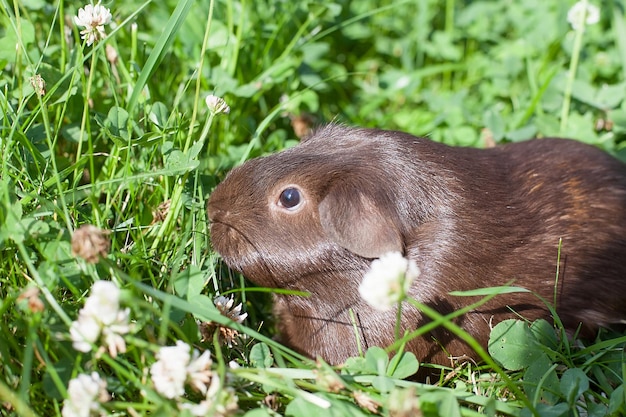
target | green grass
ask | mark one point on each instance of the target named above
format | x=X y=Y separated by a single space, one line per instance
x=123 y=140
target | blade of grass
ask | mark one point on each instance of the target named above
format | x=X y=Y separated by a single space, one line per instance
x=8 y=396
x=207 y=314
x=571 y=74
x=160 y=48
x=619 y=28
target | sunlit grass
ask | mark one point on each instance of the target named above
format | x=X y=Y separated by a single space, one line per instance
x=118 y=135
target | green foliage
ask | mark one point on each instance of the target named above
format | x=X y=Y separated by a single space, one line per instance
x=555 y=376
x=117 y=135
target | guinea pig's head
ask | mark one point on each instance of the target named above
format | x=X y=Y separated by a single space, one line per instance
x=326 y=204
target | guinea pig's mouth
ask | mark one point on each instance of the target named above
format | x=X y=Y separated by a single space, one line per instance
x=240 y=253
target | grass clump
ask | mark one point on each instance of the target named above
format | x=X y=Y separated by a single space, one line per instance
x=117 y=135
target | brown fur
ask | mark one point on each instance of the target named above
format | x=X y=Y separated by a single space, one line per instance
x=470 y=218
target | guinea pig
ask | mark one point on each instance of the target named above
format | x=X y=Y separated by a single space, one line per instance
x=313 y=218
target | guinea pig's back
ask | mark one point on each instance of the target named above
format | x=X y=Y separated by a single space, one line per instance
x=568 y=201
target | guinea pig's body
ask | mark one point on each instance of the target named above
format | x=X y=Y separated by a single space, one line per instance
x=312 y=218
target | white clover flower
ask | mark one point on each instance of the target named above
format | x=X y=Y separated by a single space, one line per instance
x=200 y=410
x=226 y=334
x=217 y=104
x=388 y=280
x=199 y=370
x=583 y=13
x=91 y=243
x=103 y=302
x=114 y=342
x=203 y=408
x=93 y=18
x=39 y=85
x=84 y=395
x=101 y=316
x=112 y=334
x=180 y=364
x=225 y=306
x=219 y=401
x=84 y=332
x=169 y=372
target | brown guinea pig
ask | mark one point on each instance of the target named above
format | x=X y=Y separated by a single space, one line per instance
x=312 y=218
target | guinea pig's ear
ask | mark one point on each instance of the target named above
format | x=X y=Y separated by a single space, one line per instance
x=355 y=222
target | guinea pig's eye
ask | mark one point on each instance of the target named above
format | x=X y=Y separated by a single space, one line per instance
x=290 y=198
